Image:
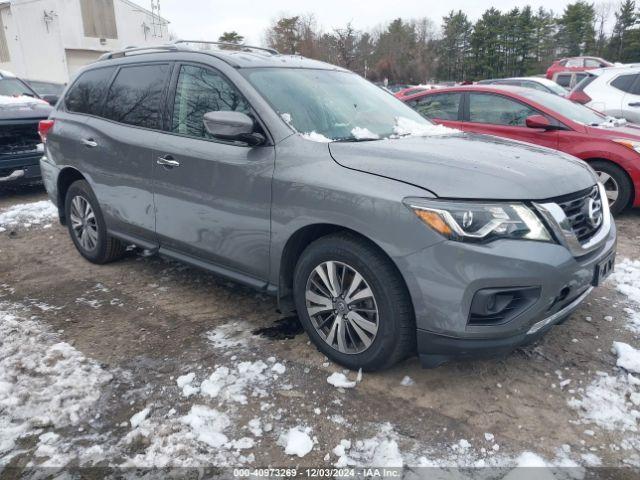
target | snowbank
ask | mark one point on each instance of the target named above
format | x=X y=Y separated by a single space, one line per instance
x=28 y=214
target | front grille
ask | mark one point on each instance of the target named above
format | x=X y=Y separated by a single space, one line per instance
x=576 y=208
x=19 y=139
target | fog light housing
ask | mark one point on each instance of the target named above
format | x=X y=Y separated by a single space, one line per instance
x=496 y=306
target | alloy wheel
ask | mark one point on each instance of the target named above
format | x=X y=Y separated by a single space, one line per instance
x=610 y=186
x=342 y=307
x=83 y=223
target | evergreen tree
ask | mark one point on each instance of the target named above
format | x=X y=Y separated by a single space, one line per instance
x=624 y=45
x=576 y=33
x=231 y=37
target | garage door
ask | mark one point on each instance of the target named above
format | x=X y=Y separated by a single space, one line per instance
x=76 y=59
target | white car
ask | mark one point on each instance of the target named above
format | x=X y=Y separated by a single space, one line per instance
x=613 y=91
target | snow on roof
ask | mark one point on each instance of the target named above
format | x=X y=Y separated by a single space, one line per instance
x=7 y=74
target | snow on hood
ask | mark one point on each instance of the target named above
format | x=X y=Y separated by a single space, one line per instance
x=316 y=137
x=6 y=100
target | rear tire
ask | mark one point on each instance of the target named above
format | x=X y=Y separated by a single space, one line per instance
x=395 y=336
x=86 y=225
x=616 y=183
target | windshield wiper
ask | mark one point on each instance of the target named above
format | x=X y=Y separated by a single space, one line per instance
x=354 y=139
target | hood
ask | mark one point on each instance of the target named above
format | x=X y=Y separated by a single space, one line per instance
x=18 y=108
x=469 y=166
x=628 y=130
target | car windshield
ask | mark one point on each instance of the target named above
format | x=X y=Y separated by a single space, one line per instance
x=330 y=105
x=573 y=111
x=12 y=87
x=554 y=87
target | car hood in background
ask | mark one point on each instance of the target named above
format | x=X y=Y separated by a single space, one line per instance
x=628 y=130
x=12 y=108
x=469 y=166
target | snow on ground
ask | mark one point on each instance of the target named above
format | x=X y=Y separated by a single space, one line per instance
x=340 y=380
x=627 y=281
x=28 y=214
x=45 y=385
x=296 y=441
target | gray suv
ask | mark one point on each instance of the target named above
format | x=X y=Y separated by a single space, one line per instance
x=387 y=234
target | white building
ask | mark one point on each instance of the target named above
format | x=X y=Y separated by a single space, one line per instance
x=50 y=40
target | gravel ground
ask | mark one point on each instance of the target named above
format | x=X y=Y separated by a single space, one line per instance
x=146 y=362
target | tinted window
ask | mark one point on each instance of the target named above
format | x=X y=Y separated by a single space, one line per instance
x=563 y=80
x=574 y=62
x=566 y=108
x=590 y=62
x=136 y=94
x=624 y=82
x=442 y=106
x=200 y=90
x=497 y=110
x=88 y=92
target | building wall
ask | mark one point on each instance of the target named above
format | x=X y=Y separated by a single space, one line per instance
x=54 y=49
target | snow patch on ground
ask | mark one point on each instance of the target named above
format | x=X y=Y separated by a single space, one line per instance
x=628 y=357
x=604 y=402
x=44 y=384
x=230 y=336
x=340 y=380
x=28 y=214
x=627 y=281
x=296 y=441
x=406 y=127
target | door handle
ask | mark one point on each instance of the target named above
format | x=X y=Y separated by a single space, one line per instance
x=167 y=161
x=89 y=142
x=634 y=104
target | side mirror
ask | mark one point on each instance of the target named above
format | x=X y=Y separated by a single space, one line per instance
x=538 y=121
x=232 y=126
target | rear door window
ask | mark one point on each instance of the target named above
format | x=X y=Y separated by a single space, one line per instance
x=625 y=82
x=88 y=92
x=443 y=106
x=136 y=95
x=198 y=91
x=498 y=110
x=564 y=80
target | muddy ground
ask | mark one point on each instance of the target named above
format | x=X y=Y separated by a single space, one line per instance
x=146 y=320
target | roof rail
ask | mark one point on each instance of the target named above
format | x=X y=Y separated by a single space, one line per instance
x=136 y=50
x=237 y=46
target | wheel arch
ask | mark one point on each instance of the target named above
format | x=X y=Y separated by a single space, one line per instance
x=624 y=170
x=66 y=177
x=295 y=246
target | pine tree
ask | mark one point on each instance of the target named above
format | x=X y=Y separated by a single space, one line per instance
x=576 y=34
x=624 y=41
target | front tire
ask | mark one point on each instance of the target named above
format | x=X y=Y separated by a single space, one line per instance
x=353 y=303
x=86 y=225
x=616 y=184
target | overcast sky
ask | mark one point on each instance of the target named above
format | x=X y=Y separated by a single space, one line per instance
x=207 y=19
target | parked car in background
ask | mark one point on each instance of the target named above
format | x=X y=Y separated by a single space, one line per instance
x=612 y=91
x=10 y=85
x=612 y=149
x=569 y=80
x=537 y=83
x=386 y=233
x=406 y=92
x=20 y=145
x=49 y=91
x=576 y=64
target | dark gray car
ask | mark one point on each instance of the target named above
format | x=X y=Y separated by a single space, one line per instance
x=387 y=234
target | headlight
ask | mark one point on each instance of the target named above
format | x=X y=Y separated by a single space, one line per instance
x=628 y=143
x=479 y=222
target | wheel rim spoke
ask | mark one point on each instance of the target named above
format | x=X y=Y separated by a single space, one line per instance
x=363 y=323
x=612 y=195
x=361 y=295
x=83 y=223
x=603 y=177
x=342 y=307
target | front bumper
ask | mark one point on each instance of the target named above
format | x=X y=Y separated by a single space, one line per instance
x=20 y=169
x=444 y=278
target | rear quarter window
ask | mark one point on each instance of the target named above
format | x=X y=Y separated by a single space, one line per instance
x=87 y=94
x=625 y=82
x=136 y=95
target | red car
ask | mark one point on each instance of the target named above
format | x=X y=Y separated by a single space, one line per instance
x=611 y=147
x=576 y=64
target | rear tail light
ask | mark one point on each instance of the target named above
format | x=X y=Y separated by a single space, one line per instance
x=43 y=129
x=579 y=97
